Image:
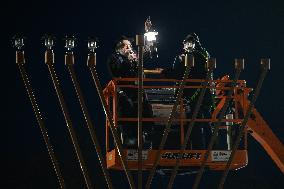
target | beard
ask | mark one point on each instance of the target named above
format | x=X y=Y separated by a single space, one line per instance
x=129 y=53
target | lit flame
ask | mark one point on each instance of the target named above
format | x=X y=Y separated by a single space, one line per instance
x=151 y=36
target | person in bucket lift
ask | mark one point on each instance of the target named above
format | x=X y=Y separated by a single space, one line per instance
x=191 y=45
x=123 y=63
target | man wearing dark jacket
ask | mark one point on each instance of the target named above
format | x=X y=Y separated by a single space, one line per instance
x=193 y=47
x=123 y=63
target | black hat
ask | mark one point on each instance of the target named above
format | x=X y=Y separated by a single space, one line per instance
x=118 y=42
x=191 y=37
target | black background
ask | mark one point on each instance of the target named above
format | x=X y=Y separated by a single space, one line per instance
x=239 y=29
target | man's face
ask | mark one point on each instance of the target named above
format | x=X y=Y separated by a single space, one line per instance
x=126 y=50
x=126 y=47
x=188 y=46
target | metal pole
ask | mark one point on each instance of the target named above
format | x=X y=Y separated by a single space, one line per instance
x=69 y=62
x=265 y=63
x=49 y=60
x=140 y=44
x=211 y=64
x=189 y=63
x=91 y=64
x=239 y=65
x=20 y=60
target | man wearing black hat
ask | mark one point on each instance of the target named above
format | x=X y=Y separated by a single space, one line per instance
x=123 y=64
x=192 y=46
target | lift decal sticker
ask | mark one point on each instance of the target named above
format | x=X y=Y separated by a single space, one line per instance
x=176 y=155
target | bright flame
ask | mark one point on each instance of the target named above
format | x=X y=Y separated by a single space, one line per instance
x=151 y=36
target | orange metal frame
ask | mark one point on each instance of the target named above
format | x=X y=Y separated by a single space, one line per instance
x=193 y=158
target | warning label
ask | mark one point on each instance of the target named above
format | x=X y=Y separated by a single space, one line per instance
x=220 y=155
x=132 y=155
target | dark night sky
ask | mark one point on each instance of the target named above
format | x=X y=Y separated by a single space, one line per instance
x=227 y=29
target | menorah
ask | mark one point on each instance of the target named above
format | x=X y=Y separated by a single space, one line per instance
x=245 y=117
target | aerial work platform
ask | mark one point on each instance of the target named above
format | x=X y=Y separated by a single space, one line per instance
x=218 y=157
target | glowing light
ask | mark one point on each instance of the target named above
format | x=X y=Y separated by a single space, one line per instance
x=18 y=42
x=48 y=41
x=151 y=36
x=92 y=44
x=70 y=42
